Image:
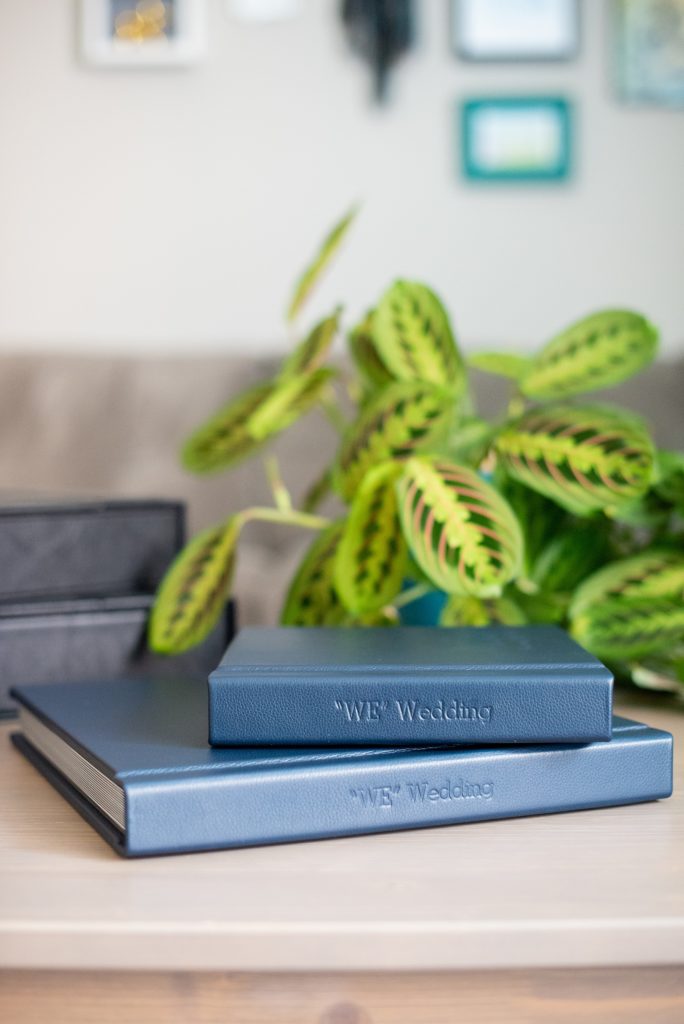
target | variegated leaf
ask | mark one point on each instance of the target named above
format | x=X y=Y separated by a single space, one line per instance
x=624 y=628
x=413 y=337
x=319 y=264
x=598 y=352
x=656 y=573
x=224 y=440
x=290 y=399
x=505 y=364
x=371 y=557
x=404 y=418
x=311 y=352
x=370 y=366
x=585 y=458
x=194 y=590
x=312 y=599
x=473 y=611
x=461 y=532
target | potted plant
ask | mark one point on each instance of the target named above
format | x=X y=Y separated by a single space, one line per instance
x=560 y=511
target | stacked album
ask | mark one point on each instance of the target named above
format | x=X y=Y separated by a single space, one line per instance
x=314 y=733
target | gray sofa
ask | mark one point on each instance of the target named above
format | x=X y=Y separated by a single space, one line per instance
x=112 y=426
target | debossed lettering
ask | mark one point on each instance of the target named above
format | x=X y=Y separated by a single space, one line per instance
x=409 y=710
x=421 y=792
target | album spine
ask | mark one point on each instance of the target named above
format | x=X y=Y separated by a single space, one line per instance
x=183 y=812
x=355 y=709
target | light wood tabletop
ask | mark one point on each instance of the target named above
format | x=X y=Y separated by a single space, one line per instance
x=594 y=889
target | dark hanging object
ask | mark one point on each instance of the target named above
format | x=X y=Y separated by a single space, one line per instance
x=380 y=31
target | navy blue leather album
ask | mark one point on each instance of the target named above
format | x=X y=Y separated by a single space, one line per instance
x=132 y=757
x=407 y=685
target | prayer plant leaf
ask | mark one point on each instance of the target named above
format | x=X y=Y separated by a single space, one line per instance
x=571 y=556
x=404 y=418
x=658 y=572
x=224 y=440
x=369 y=365
x=311 y=352
x=194 y=590
x=312 y=599
x=319 y=264
x=622 y=629
x=371 y=557
x=586 y=458
x=460 y=531
x=290 y=399
x=413 y=337
x=633 y=607
x=505 y=364
x=473 y=611
x=598 y=352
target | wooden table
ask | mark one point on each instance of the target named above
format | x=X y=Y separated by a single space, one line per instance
x=537 y=919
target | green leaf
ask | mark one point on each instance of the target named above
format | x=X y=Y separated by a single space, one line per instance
x=319 y=264
x=598 y=352
x=585 y=458
x=369 y=365
x=224 y=440
x=461 y=532
x=371 y=557
x=194 y=590
x=470 y=440
x=312 y=599
x=413 y=337
x=623 y=628
x=473 y=611
x=289 y=400
x=540 y=519
x=656 y=573
x=311 y=352
x=404 y=418
x=571 y=556
x=505 y=364
x=669 y=485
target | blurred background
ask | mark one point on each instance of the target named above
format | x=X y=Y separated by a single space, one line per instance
x=168 y=168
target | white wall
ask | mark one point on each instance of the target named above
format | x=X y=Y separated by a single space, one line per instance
x=170 y=210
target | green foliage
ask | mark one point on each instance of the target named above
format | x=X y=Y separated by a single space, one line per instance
x=473 y=611
x=597 y=352
x=587 y=458
x=310 y=277
x=505 y=364
x=413 y=337
x=312 y=599
x=194 y=590
x=460 y=530
x=555 y=511
x=371 y=557
x=404 y=418
x=311 y=352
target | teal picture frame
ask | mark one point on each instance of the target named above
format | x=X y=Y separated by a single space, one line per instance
x=516 y=139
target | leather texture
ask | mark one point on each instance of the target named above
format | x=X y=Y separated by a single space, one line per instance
x=83 y=548
x=408 y=685
x=182 y=795
x=92 y=639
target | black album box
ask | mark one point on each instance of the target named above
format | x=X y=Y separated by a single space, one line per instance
x=76 y=547
x=60 y=641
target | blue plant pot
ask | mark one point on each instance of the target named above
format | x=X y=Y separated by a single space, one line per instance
x=425 y=611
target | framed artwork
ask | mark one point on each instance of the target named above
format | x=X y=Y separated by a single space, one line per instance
x=515 y=30
x=143 y=33
x=516 y=139
x=650 y=51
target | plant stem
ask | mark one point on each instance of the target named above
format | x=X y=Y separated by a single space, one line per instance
x=411 y=594
x=281 y=495
x=288 y=517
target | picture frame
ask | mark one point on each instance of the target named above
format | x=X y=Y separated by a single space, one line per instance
x=516 y=139
x=649 y=51
x=515 y=30
x=142 y=33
